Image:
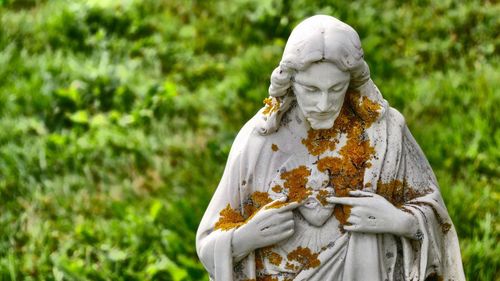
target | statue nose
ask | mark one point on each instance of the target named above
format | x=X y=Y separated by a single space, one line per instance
x=323 y=104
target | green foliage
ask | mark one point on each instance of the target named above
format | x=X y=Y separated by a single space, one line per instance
x=116 y=118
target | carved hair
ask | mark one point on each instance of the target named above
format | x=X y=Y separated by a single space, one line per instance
x=317 y=39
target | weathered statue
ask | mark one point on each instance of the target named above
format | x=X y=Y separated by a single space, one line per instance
x=326 y=181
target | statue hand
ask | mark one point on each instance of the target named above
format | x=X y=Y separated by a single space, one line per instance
x=267 y=227
x=372 y=213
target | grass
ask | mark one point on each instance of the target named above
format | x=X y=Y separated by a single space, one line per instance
x=116 y=119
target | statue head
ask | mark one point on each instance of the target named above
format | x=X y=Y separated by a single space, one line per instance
x=322 y=59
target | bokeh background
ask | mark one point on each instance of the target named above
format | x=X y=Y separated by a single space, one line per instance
x=116 y=118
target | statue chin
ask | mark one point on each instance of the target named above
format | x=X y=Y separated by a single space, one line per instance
x=314 y=212
x=320 y=124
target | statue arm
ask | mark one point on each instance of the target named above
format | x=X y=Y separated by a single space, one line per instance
x=214 y=241
x=437 y=239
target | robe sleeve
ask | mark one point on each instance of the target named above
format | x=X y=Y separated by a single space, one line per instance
x=435 y=250
x=213 y=245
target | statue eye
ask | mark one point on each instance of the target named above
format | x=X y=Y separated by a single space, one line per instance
x=311 y=88
x=336 y=88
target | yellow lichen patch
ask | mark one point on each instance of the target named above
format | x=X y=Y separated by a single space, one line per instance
x=249 y=210
x=367 y=109
x=229 y=218
x=302 y=258
x=272 y=104
x=268 y=253
x=346 y=171
x=399 y=192
x=342 y=213
x=322 y=195
x=295 y=182
x=357 y=114
x=277 y=188
x=259 y=199
x=319 y=141
x=274 y=147
x=275 y=258
x=393 y=191
x=259 y=263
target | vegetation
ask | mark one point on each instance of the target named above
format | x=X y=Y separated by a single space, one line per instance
x=116 y=118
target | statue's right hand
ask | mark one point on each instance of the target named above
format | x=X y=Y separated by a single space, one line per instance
x=267 y=227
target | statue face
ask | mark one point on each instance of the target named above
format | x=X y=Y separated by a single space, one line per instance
x=320 y=90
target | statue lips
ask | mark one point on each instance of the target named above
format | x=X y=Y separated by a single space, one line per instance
x=314 y=212
x=321 y=115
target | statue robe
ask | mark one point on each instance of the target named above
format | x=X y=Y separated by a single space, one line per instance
x=255 y=160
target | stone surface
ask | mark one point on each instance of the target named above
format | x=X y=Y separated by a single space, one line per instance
x=326 y=181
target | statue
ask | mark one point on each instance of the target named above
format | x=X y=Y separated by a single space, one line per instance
x=326 y=182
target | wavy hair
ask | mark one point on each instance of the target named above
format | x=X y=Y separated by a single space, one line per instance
x=319 y=38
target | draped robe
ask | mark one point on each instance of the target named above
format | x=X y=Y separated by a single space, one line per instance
x=398 y=171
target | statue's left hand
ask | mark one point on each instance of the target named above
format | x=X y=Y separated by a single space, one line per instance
x=372 y=213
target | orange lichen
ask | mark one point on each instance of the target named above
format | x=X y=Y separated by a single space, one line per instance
x=399 y=192
x=277 y=188
x=302 y=258
x=295 y=182
x=229 y=218
x=274 y=147
x=322 y=195
x=259 y=263
x=272 y=104
x=393 y=191
x=367 y=109
x=357 y=114
x=275 y=258
x=271 y=256
x=259 y=199
x=342 y=213
x=319 y=141
x=346 y=171
x=268 y=253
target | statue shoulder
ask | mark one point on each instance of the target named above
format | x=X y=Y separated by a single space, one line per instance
x=395 y=118
x=248 y=137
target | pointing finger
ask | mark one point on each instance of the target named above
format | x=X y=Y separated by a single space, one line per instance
x=276 y=202
x=353 y=220
x=289 y=206
x=360 y=193
x=350 y=228
x=343 y=200
x=281 y=205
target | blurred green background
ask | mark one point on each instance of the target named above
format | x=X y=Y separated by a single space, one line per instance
x=116 y=118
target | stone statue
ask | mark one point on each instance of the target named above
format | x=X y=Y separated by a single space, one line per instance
x=326 y=182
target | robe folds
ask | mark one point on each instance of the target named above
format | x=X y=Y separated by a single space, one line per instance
x=397 y=170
